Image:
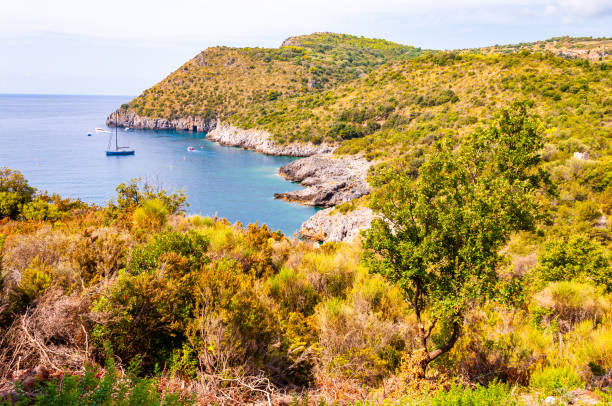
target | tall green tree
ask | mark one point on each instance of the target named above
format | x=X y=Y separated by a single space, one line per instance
x=440 y=233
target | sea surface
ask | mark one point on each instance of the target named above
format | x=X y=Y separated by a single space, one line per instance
x=46 y=138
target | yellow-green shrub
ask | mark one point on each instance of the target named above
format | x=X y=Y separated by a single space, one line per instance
x=292 y=291
x=555 y=380
x=567 y=303
x=35 y=280
x=358 y=344
x=151 y=215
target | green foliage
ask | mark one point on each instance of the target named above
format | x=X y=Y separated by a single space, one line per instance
x=108 y=390
x=133 y=195
x=575 y=257
x=494 y=394
x=437 y=98
x=35 y=280
x=190 y=246
x=555 y=381
x=152 y=215
x=14 y=192
x=40 y=210
x=442 y=232
x=273 y=95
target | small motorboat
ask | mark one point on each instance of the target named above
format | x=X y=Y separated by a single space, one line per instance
x=89 y=134
x=101 y=130
x=128 y=129
x=190 y=149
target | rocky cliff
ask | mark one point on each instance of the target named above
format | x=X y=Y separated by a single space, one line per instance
x=223 y=133
x=128 y=118
x=261 y=141
x=329 y=180
x=330 y=225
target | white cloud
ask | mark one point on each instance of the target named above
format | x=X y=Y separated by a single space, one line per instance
x=585 y=8
x=237 y=20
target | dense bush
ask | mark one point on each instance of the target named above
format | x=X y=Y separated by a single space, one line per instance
x=555 y=381
x=575 y=257
x=14 y=192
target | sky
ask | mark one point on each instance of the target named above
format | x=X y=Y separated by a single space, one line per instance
x=121 y=47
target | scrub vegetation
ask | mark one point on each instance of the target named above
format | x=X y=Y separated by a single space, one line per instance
x=487 y=280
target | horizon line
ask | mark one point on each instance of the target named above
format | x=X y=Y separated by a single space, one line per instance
x=65 y=94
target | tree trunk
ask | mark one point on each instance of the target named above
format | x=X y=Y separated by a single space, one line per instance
x=429 y=356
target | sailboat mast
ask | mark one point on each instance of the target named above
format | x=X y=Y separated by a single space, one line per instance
x=116 y=127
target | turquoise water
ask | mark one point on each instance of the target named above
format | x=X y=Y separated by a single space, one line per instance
x=45 y=137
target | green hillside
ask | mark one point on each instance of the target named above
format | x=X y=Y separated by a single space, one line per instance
x=442 y=93
x=223 y=81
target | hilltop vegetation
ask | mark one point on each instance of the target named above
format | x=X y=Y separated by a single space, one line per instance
x=442 y=94
x=594 y=49
x=223 y=81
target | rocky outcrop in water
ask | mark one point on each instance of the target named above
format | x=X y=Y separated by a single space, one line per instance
x=331 y=225
x=261 y=141
x=329 y=180
x=128 y=118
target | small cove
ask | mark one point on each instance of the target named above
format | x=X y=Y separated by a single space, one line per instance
x=45 y=137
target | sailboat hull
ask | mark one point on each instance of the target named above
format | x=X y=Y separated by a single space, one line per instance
x=119 y=153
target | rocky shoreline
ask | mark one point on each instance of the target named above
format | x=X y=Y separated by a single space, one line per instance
x=223 y=133
x=331 y=225
x=328 y=180
x=261 y=141
x=129 y=119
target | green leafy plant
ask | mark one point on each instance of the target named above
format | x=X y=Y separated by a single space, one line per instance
x=440 y=234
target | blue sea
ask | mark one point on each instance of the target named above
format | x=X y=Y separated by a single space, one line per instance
x=46 y=138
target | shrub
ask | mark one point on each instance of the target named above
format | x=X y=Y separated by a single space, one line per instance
x=234 y=326
x=151 y=215
x=14 y=192
x=100 y=253
x=344 y=131
x=494 y=394
x=273 y=95
x=35 y=280
x=134 y=194
x=40 y=210
x=437 y=98
x=555 y=381
x=292 y=291
x=590 y=348
x=329 y=273
x=191 y=246
x=357 y=343
x=110 y=389
x=575 y=257
x=567 y=303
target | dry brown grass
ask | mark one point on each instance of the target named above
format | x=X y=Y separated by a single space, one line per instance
x=53 y=333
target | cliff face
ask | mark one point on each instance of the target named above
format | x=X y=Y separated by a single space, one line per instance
x=260 y=141
x=128 y=118
x=223 y=133
x=329 y=225
x=329 y=180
